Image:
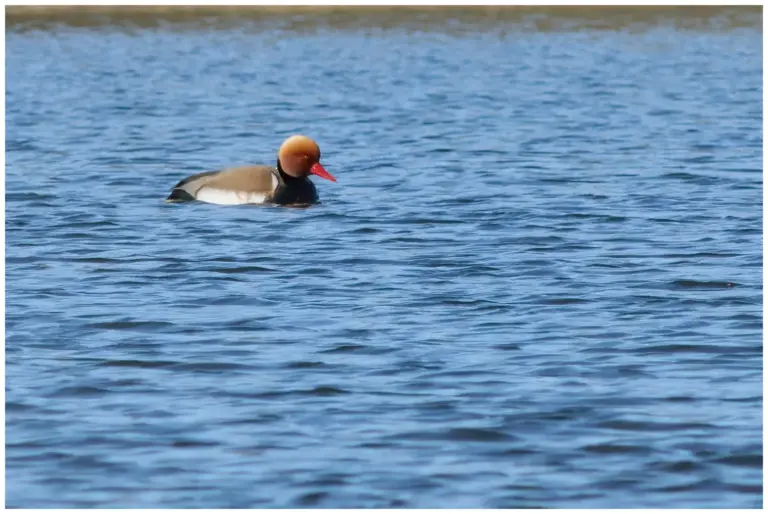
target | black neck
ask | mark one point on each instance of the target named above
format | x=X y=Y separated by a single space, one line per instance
x=286 y=177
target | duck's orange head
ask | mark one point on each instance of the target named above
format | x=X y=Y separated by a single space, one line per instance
x=299 y=156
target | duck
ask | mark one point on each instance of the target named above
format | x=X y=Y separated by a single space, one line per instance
x=287 y=183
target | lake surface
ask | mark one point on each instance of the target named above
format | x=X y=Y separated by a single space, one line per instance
x=537 y=282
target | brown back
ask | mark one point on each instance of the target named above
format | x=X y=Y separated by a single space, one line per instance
x=251 y=179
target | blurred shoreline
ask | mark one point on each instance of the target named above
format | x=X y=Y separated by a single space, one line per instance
x=423 y=18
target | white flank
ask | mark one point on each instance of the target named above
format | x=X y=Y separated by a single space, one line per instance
x=229 y=197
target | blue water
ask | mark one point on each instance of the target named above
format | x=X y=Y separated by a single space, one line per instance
x=537 y=282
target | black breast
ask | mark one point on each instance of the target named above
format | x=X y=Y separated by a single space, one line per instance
x=295 y=190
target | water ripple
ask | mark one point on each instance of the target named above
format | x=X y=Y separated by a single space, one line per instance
x=537 y=283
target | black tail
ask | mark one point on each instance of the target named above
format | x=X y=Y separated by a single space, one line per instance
x=179 y=195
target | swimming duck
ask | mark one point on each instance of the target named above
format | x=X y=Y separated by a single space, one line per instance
x=285 y=184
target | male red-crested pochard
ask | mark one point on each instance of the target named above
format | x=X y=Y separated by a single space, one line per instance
x=285 y=184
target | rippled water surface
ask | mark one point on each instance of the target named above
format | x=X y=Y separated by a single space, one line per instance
x=538 y=281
